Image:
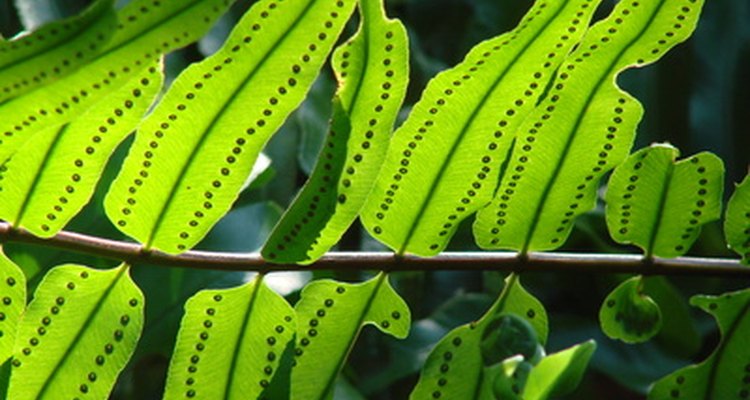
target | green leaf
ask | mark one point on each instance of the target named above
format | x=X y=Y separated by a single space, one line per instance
x=659 y=204
x=331 y=315
x=231 y=343
x=629 y=314
x=722 y=374
x=454 y=368
x=145 y=32
x=737 y=221
x=372 y=70
x=444 y=161
x=54 y=50
x=312 y=119
x=77 y=334
x=205 y=134
x=583 y=128
x=559 y=374
x=54 y=174
x=12 y=304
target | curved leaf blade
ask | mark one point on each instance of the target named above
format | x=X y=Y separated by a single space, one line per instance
x=629 y=314
x=454 y=368
x=721 y=375
x=49 y=180
x=231 y=343
x=77 y=334
x=12 y=304
x=444 y=161
x=146 y=30
x=552 y=174
x=559 y=374
x=331 y=315
x=54 y=50
x=737 y=220
x=206 y=132
x=372 y=70
x=659 y=204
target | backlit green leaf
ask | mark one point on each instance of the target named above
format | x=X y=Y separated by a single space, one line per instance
x=583 y=128
x=77 y=334
x=722 y=375
x=629 y=314
x=54 y=174
x=443 y=162
x=146 y=30
x=454 y=368
x=372 y=69
x=737 y=220
x=231 y=343
x=558 y=374
x=54 y=50
x=659 y=204
x=205 y=134
x=330 y=316
x=12 y=304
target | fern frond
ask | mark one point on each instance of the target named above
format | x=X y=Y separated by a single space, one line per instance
x=203 y=137
x=77 y=334
x=372 y=69
x=146 y=30
x=443 y=162
x=54 y=50
x=583 y=128
x=231 y=344
x=54 y=174
x=659 y=204
x=330 y=316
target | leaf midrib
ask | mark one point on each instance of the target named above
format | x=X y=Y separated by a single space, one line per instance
x=206 y=133
x=572 y=133
x=241 y=336
x=38 y=176
x=382 y=276
x=658 y=219
x=79 y=335
x=155 y=26
x=464 y=130
x=720 y=350
x=81 y=31
x=312 y=241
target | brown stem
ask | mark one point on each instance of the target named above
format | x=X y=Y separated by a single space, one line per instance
x=132 y=253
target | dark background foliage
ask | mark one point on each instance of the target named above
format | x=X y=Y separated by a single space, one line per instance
x=695 y=98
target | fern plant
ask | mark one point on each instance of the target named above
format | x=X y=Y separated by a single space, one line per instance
x=518 y=136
